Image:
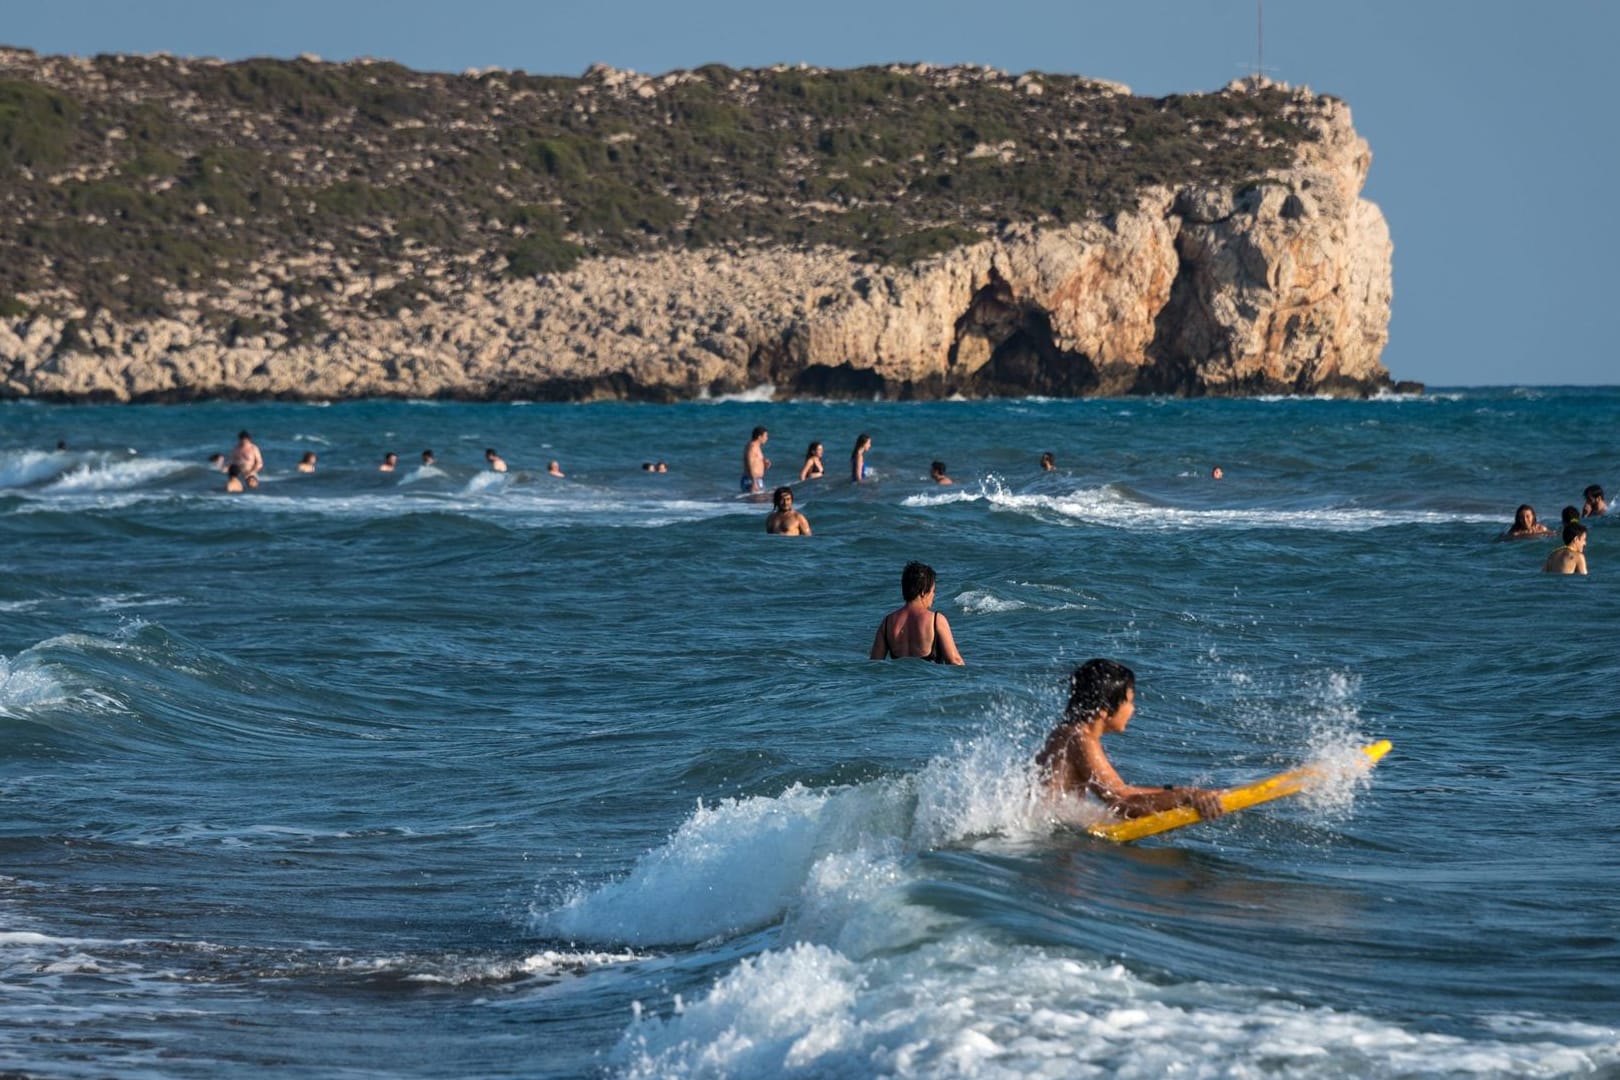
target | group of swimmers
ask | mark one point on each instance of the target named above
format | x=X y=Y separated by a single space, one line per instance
x=1570 y=556
x=245 y=462
x=783 y=520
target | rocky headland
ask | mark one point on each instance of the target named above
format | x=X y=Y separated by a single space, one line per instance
x=180 y=229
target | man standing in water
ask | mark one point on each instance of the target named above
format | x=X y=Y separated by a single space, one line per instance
x=755 y=463
x=784 y=520
x=246 y=456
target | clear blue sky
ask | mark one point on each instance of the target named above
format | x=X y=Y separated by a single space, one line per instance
x=1492 y=122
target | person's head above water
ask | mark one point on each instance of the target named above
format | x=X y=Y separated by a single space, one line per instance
x=782 y=498
x=1593 y=491
x=917 y=579
x=1524 y=517
x=1573 y=530
x=1571 y=514
x=813 y=451
x=1048 y=461
x=1098 y=686
x=863 y=441
x=759 y=433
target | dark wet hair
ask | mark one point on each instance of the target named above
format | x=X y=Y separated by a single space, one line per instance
x=1593 y=491
x=309 y=455
x=916 y=579
x=1097 y=686
x=1572 y=529
x=937 y=468
x=861 y=440
x=1520 y=512
x=243 y=435
x=776 y=496
x=233 y=469
x=489 y=451
x=1571 y=514
x=758 y=432
x=810 y=451
x=1048 y=459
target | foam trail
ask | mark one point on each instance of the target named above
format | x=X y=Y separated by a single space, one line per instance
x=1108 y=506
x=116 y=475
x=968 y=1007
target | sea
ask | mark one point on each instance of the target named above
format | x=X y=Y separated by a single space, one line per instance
x=450 y=773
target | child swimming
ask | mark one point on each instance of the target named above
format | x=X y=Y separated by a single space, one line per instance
x=1102 y=700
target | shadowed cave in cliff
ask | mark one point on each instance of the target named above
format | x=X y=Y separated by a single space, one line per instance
x=1006 y=349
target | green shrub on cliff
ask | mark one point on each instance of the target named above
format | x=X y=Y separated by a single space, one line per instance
x=191 y=172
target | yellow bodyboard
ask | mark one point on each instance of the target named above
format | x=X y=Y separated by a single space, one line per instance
x=1288 y=783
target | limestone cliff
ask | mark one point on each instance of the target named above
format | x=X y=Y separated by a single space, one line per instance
x=1275 y=283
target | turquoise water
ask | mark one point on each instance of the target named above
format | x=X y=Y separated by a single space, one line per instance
x=439 y=773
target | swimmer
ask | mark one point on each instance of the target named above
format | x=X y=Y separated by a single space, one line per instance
x=1568 y=515
x=1048 y=462
x=1215 y=473
x=252 y=482
x=755 y=462
x=663 y=466
x=490 y=456
x=913 y=630
x=813 y=465
x=246 y=455
x=553 y=469
x=428 y=458
x=647 y=466
x=216 y=462
x=390 y=462
x=307 y=462
x=784 y=520
x=1102 y=700
x=61 y=446
x=1592 y=501
x=936 y=472
x=1571 y=558
x=233 y=479
x=858 y=469
x=1525 y=525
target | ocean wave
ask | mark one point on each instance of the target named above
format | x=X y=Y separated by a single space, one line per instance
x=1113 y=505
x=765 y=392
x=116 y=475
x=973 y=1007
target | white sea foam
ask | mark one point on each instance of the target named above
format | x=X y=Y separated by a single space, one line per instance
x=25 y=468
x=26 y=684
x=808 y=856
x=762 y=393
x=1108 y=506
x=970 y=1007
x=115 y=475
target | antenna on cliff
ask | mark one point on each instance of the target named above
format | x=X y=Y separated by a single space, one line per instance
x=1259 y=39
x=1259 y=70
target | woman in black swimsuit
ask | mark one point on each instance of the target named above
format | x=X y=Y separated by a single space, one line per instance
x=914 y=630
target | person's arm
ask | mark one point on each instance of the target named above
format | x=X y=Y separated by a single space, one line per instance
x=1580 y=563
x=947 y=643
x=1134 y=800
x=880 y=646
x=804 y=473
x=804 y=525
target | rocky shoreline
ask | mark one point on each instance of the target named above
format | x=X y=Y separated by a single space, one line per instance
x=1280 y=285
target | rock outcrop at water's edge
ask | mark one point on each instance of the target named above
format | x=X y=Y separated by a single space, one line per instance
x=1281 y=284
